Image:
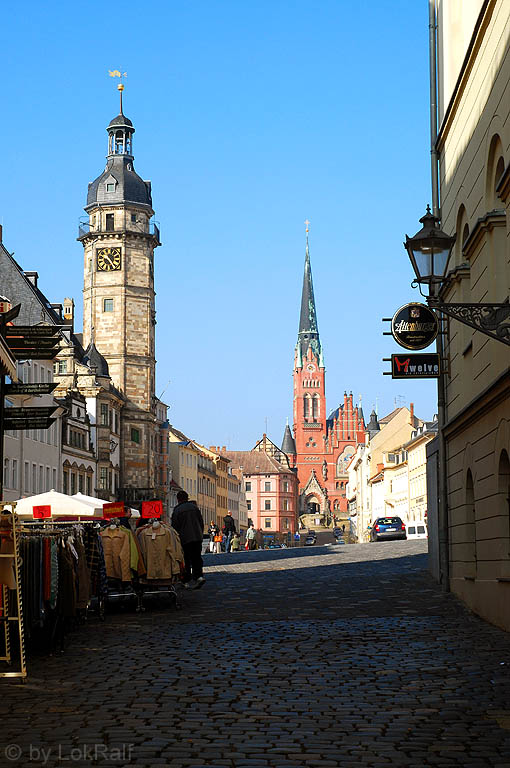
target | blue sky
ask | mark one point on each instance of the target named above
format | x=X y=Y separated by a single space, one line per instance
x=250 y=117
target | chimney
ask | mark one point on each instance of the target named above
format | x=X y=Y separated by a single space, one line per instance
x=33 y=277
x=411 y=415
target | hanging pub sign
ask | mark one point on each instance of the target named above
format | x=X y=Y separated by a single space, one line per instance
x=420 y=366
x=115 y=509
x=414 y=326
x=152 y=509
x=41 y=511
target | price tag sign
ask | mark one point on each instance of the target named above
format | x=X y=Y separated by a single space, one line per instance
x=42 y=511
x=152 y=508
x=116 y=509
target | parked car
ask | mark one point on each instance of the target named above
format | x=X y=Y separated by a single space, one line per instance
x=416 y=530
x=388 y=528
x=310 y=540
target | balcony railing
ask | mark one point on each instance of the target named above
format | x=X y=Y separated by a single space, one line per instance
x=84 y=229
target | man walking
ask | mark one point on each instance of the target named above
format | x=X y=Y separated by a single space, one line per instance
x=187 y=521
x=229 y=529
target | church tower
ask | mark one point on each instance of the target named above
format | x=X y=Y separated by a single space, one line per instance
x=309 y=384
x=119 y=300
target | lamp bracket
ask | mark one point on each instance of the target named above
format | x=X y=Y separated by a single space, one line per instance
x=491 y=319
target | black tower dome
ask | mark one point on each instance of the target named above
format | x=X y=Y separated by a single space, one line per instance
x=119 y=183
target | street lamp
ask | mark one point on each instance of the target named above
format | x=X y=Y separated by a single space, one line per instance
x=429 y=251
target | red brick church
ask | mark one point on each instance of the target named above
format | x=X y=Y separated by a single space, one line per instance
x=320 y=447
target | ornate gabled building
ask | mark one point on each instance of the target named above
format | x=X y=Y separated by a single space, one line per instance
x=119 y=238
x=321 y=447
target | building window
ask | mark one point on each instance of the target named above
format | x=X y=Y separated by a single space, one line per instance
x=73 y=483
x=110 y=187
x=41 y=479
x=285 y=486
x=107 y=305
x=247 y=486
x=80 y=483
x=267 y=522
x=286 y=523
x=135 y=435
x=267 y=504
x=6 y=473
x=54 y=475
x=14 y=473
x=89 y=485
x=104 y=414
x=133 y=218
x=103 y=478
x=267 y=487
x=48 y=479
x=26 y=479
x=285 y=505
x=61 y=366
x=110 y=222
x=248 y=505
x=34 y=478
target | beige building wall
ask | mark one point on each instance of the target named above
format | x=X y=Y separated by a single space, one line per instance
x=474 y=147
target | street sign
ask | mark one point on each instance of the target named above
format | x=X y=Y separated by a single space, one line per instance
x=421 y=366
x=35 y=342
x=48 y=353
x=30 y=389
x=27 y=423
x=43 y=412
x=32 y=331
x=414 y=326
x=11 y=314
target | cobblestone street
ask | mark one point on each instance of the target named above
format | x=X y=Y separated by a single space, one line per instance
x=320 y=656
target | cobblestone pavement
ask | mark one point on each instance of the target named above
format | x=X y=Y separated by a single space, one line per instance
x=313 y=657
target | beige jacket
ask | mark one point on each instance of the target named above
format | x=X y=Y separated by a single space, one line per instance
x=116 y=553
x=162 y=552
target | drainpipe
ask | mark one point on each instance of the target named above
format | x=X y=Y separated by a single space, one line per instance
x=434 y=157
x=443 y=531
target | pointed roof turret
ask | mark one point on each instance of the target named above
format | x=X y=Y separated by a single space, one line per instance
x=373 y=426
x=308 y=335
x=94 y=359
x=288 y=443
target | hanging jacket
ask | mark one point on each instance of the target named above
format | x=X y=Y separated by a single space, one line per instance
x=116 y=548
x=161 y=550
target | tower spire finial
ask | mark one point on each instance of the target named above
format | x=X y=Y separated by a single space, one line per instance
x=120 y=87
x=307 y=225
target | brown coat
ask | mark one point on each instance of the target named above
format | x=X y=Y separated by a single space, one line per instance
x=161 y=551
x=116 y=553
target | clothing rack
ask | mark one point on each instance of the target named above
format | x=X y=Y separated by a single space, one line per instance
x=7 y=510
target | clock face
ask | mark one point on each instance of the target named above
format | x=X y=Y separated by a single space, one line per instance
x=108 y=259
x=310 y=367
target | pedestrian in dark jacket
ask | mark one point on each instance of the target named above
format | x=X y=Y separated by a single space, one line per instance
x=187 y=521
x=229 y=529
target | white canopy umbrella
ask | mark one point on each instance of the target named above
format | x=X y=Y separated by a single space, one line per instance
x=97 y=504
x=61 y=506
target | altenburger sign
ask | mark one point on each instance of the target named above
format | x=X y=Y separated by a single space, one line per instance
x=414 y=326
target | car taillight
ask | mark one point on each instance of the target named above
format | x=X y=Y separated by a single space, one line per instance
x=403 y=527
x=376 y=527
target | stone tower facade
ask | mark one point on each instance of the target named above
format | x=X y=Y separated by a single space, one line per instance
x=119 y=300
x=321 y=446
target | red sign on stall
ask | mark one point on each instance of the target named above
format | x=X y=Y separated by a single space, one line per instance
x=42 y=511
x=152 y=508
x=115 y=509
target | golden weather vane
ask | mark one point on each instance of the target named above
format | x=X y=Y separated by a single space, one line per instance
x=120 y=87
x=307 y=224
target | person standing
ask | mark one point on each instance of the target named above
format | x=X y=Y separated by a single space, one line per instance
x=234 y=546
x=250 y=537
x=188 y=522
x=213 y=532
x=229 y=529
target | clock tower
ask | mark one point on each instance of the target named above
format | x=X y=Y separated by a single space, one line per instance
x=119 y=316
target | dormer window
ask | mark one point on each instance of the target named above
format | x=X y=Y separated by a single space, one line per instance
x=110 y=187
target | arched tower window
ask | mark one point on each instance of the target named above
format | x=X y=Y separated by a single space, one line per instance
x=306 y=406
x=315 y=407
